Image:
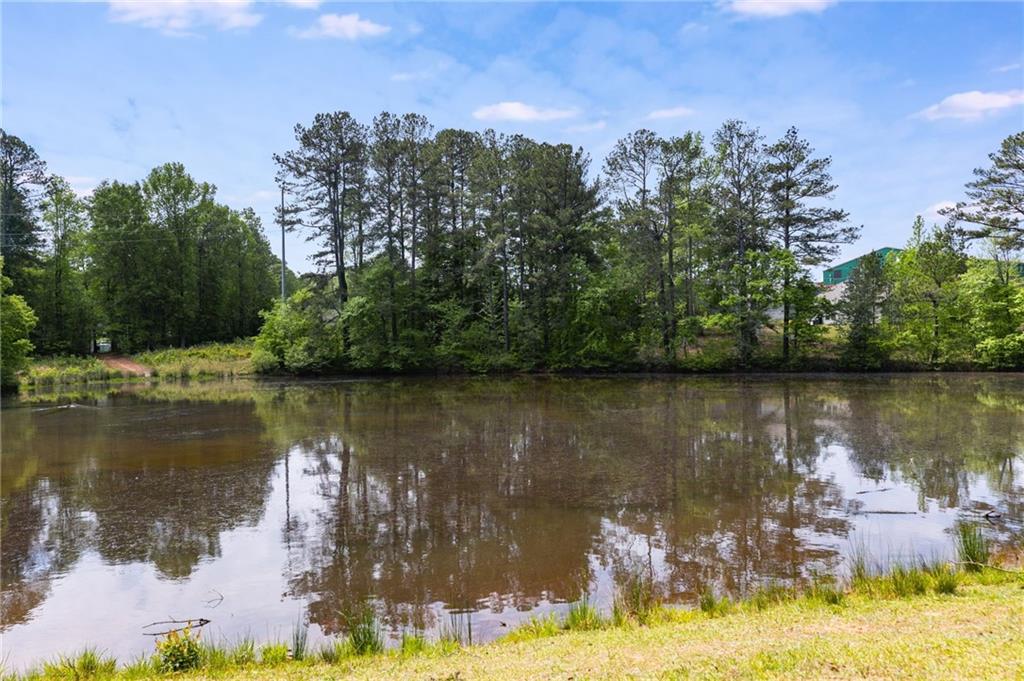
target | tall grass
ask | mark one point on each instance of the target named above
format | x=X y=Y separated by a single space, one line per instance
x=635 y=599
x=583 y=616
x=364 y=633
x=300 y=634
x=88 y=664
x=971 y=547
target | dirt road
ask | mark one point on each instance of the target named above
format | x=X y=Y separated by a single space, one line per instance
x=125 y=365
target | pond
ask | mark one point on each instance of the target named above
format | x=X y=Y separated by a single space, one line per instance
x=257 y=504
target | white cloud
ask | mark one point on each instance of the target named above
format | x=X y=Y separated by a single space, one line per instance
x=693 y=27
x=518 y=111
x=776 y=8
x=973 y=105
x=674 y=112
x=931 y=214
x=82 y=185
x=179 y=17
x=345 y=26
x=1006 y=68
x=587 y=127
x=303 y=4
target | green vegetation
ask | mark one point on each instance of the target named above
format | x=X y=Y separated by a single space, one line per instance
x=211 y=360
x=16 y=323
x=972 y=547
x=929 y=618
x=454 y=250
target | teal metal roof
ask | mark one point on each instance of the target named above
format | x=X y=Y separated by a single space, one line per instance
x=837 y=274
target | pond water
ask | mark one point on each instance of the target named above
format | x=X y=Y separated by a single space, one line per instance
x=255 y=504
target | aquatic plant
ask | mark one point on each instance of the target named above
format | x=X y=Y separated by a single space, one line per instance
x=635 y=599
x=971 y=546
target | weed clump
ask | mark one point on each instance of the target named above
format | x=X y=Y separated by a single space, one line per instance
x=179 y=652
x=364 y=634
x=972 y=547
x=583 y=617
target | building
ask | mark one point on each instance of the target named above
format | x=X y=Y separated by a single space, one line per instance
x=838 y=274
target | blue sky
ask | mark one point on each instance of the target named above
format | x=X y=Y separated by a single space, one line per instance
x=906 y=97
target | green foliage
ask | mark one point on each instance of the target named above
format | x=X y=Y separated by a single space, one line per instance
x=335 y=651
x=180 y=651
x=860 y=309
x=16 y=323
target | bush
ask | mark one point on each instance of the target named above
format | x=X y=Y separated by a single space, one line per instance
x=179 y=652
x=1002 y=353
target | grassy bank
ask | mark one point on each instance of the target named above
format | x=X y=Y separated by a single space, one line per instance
x=213 y=360
x=925 y=621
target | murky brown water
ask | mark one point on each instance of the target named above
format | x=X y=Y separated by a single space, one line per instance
x=253 y=504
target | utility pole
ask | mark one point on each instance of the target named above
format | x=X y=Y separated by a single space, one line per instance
x=282 y=243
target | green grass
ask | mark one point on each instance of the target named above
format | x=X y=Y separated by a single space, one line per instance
x=46 y=372
x=584 y=617
x=212 y=360
x=364 y=634
x=971 y=547
x=886 y=625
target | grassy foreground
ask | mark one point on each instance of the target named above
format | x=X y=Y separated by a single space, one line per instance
x=877 y=629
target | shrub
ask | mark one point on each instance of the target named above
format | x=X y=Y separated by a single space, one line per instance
x=179 y=652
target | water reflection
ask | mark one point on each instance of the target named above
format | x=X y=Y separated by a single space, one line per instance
x=499 y=497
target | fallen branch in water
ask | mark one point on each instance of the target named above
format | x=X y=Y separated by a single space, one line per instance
x=186 y=624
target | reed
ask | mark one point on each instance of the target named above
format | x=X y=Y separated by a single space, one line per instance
x=971 y=547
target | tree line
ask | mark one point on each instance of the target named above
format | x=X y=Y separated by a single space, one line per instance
x=460 y=250
x=481 y=250
x=146 y=264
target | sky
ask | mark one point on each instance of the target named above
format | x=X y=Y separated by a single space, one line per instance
x=907 y=98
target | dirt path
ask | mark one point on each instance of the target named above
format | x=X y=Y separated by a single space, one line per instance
x=125 y=365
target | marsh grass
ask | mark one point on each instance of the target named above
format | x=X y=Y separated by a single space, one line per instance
x=535 y=627
x=88 y=664
x=713 y=605
x=458 y=630
x=583 y=616
x=972 y=547
x=274 y=653
x=243 y=653
x=826 y=589
x=636 y=599
x=335 y=651
x=412 y=643
x=300 y=635
x=364 y=632
x=769 y=595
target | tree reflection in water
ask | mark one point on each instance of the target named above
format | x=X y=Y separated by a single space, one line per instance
x=493 y=495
